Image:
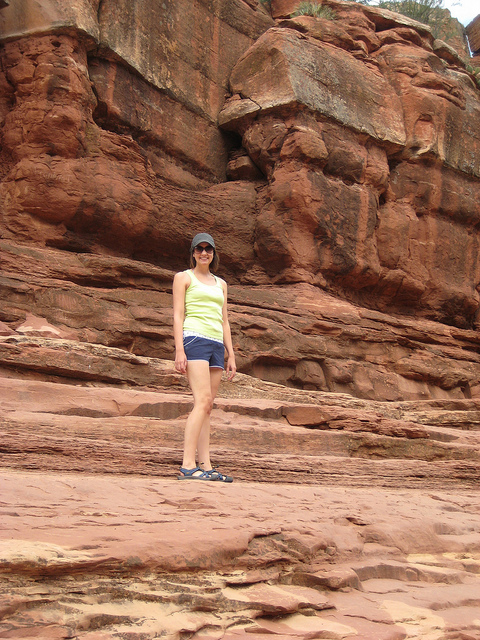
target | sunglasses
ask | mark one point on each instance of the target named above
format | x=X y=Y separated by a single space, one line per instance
x=209 y=249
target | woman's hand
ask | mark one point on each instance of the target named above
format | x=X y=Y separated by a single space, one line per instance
x=181 y=361
x=231 y=369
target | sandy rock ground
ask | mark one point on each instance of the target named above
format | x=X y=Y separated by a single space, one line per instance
x=346 y=519
x=103 y=556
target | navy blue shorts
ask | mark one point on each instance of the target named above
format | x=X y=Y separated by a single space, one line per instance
x=197 y=348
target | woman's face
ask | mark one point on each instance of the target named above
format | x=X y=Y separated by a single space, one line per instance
x=203 y=253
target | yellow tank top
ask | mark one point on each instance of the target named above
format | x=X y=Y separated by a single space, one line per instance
x=204 y=309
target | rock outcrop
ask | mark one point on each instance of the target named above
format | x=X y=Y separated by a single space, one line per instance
x=296 y=335
x=363 y=142
x=473 y=33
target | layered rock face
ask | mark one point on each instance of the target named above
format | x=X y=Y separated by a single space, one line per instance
x=369 y=138
x=92 y=118
x=352 y=152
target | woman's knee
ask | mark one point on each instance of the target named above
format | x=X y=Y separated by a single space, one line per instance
x=205 y=402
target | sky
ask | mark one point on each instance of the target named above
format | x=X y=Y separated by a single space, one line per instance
x=463 y=10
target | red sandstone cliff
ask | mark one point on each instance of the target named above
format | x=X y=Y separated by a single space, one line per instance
x=344 y=166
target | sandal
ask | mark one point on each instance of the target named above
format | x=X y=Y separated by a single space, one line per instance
x=187 y=474
x=216 y=475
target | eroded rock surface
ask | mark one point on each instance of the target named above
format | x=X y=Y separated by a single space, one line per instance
x=296 y=335
x=272 y=561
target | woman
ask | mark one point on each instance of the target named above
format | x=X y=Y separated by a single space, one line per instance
x=202 y=333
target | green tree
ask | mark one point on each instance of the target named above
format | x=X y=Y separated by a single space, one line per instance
x=424 y=11
x=429 y=12
x=416 y=9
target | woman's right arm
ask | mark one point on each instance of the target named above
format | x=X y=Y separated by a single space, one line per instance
x=180 y=284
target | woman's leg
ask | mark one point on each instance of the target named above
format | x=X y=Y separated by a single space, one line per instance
x=203 y=445
x=198 y=372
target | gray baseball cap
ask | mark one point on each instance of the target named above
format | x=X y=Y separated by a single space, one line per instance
x=202 y=237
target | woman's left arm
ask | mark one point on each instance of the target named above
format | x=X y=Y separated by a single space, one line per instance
x=227 y=338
